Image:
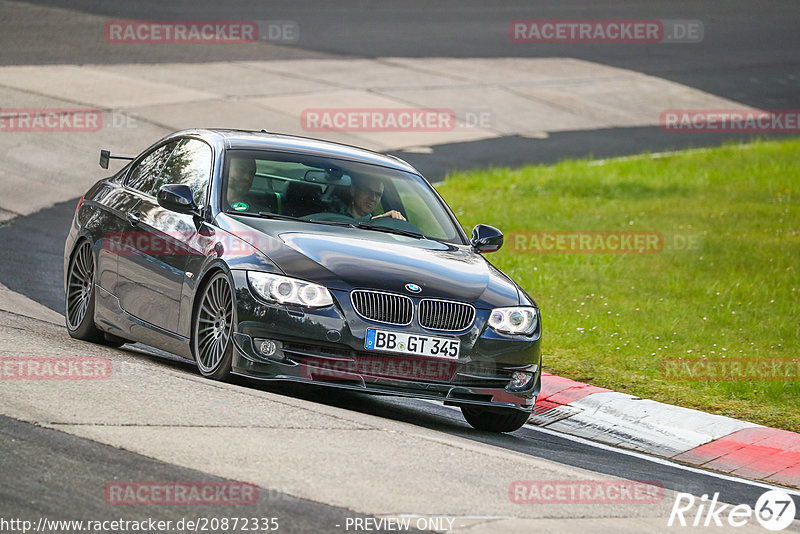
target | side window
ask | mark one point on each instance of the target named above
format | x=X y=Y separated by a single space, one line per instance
x=190 y=164
x=144 y=176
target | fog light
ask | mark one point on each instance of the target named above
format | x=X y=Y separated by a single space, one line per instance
x=265 y=347
x=519 y=379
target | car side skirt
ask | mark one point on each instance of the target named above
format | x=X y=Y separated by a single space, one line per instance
x=110 y=317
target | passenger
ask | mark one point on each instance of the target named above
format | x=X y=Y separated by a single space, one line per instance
x=365 y=193
x=241 y=174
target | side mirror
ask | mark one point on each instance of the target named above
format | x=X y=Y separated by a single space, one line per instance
x=486 y=238
x=177 y=197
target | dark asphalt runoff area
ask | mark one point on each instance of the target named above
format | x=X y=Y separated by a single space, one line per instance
x=750 y=53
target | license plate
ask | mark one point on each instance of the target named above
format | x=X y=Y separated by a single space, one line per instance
x=437 y=347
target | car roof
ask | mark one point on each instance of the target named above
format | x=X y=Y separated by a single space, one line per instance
x=263 y=140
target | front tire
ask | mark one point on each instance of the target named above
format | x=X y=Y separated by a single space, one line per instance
x=212 y=328
x=494 y=419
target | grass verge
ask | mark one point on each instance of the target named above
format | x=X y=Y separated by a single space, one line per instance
x=723 y=287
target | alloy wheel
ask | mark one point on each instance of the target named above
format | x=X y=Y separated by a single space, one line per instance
x=79 y=286
x=214 y=324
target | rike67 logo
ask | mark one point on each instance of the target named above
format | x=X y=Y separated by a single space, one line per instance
x=774 y=510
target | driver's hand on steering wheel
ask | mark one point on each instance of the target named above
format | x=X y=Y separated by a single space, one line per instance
x=394 y=214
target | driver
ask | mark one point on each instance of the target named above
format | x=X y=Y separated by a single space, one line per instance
x=365 y=193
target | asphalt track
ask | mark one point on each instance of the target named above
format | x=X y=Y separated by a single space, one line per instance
x=54 y=475
x=44 y=286
x=750 y=54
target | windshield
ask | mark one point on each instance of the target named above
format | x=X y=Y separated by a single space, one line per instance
x=328 y=190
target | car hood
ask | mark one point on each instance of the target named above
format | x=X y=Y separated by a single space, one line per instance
x=349 y=258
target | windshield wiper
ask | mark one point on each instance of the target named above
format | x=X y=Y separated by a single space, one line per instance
x=266 y=215
x=388 y=230
x=270 y=215
x=364 y=226
x=332 y=223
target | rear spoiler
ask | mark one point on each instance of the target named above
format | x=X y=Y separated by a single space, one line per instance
x=106 y=155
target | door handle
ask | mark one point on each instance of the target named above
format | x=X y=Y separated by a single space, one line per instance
x=133 y=218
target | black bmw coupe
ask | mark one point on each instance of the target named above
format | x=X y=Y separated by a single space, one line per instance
x=285 y=258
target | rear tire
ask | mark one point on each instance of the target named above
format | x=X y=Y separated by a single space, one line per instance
x=494 y=419
x=212 y=328
x=79 y=298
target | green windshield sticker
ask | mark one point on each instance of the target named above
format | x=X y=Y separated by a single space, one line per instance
x=239 y=206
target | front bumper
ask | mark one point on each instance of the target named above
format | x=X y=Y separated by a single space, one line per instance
x=326 y=347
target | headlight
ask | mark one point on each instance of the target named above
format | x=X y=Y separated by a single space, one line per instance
x=514 y=320
x=289 y=290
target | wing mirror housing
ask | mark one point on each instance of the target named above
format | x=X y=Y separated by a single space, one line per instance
x=177 y=197
x=486 y=238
